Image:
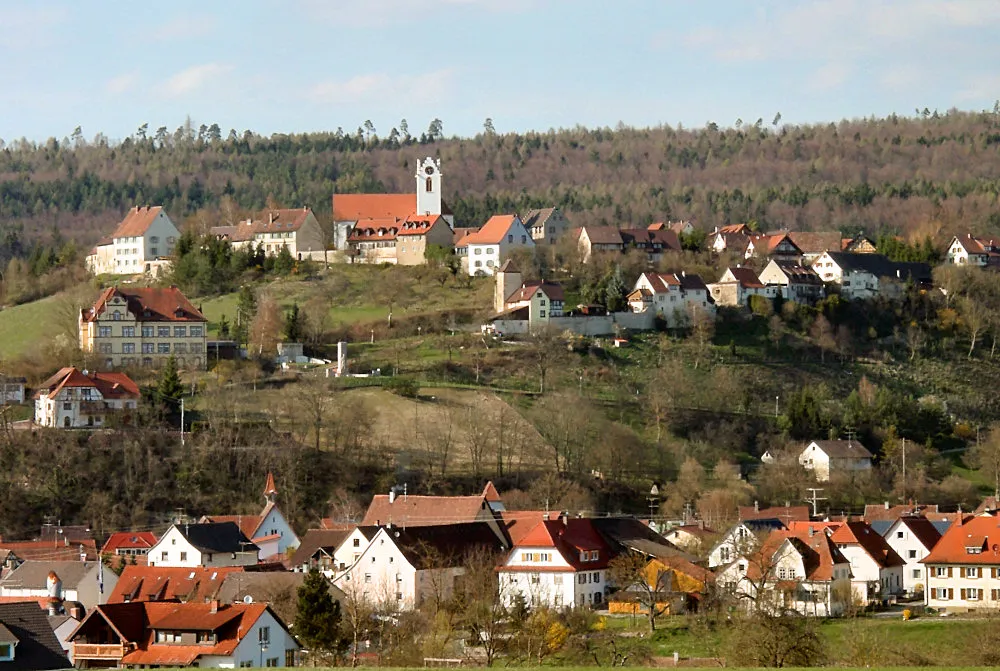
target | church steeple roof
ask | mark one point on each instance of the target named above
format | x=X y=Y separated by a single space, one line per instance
x=270 y=491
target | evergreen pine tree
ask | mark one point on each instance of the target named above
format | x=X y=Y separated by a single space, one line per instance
x=169 y=388
x=294 y=324
x=317 y=620
x=223 y=328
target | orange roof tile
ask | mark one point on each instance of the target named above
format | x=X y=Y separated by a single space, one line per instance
x=287 y=220
x=493 y=231
x=519 y=522
x=569 y=537
x=423 y=510
x=359 y=206
x=136 y=222
x=976 y=540
x=142 y=540
x=859 y=533
x=110 y=385
x=148 y=304
x=784 y=513
x=158 y=583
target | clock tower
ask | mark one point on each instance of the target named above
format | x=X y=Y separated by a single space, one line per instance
x=428 y=187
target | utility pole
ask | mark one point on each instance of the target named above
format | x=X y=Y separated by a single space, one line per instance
x=182 y=422
x=904 y=470
x=815 y=499
x=776 y=407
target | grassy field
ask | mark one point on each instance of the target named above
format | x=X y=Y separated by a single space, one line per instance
x=23 y=325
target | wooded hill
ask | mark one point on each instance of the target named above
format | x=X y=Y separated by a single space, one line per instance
x=934 y=173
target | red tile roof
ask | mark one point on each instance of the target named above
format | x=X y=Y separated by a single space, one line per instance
x=419 y=225
x=409 y=510
x=129 y=540
x=157 y=583
x=876 y=511
x=551 y=289
x=602 y=235
x=148 y=304
x=460 y=236
x=784 y=513
x=282 y=221
x=569 y=536
x=359 y=206
x=47 y=550
x=136 y=222
x=375 y=229
x=818 y=551
x=859 y=533
x=735 y=228
x=110 y=385
x=519 y=522
x=746 y=277
x=974 y=541
x=493 y=231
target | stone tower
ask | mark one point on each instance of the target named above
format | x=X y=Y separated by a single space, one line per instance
x=508 y=280
x=428 y=187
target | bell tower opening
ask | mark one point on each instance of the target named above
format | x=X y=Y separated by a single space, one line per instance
x=428 y=186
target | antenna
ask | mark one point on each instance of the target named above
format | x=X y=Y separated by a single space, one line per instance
x=815 y=499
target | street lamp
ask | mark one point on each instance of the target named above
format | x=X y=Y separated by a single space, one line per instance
x=654 y=500
x=776 y=407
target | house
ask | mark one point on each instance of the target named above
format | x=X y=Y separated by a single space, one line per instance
x=269 y=530
x=862 y=276
x=408 y=565
x=677 y=298
x=734 y=237
x=142 y=243
x=912 y=538
x=210 y=545
x=317 y=550
x=499 y=236
x=826 y=458
x=560 y=563
x=75 y=399
x=876 y=569
x=690 y=537
x=332 y=560
x=972 y=251
x=144 y=326
x=790 y=570
x=399 y=241
x=885 y=514
x=593 y=240
x=150 y=634
x=128 y=544
x=11 y=390
x=678 y=227
x=742 y=538
x=677 y=583
x=62 y=550
x=411 y=511
x=539 y=300
x=812 y=244
x=278 y=589
x=63 y=626
x=653 y=242
x=798 y=284
x=778 y=246
x=786 y=513
x=963 y=569
x=737 y=285
x=859 y=244
x=27 y=639
x=85 y=582
x=546 y=225
x=163 y=583
x=296 y=230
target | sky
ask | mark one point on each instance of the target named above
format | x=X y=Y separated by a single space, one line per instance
x=288 y=66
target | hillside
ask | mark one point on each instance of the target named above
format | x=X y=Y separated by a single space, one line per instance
x=935 y=173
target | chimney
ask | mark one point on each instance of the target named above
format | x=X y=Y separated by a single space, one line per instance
x=213 y=606
x=564 y=516
x=886 y=504
x=756 y=506
x=392 y=495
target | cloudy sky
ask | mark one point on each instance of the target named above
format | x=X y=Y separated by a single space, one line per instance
x=304 y=65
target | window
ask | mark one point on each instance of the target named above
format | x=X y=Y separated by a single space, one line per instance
x=899 y=534
x=582 y=578
x=597 y=576
x=196 y=348
x=147 y=331
x=184 y=556
x=357 y=542
x=104 y=348
x=154 y=239
x=128 y=348
x=428 y=185
x=128 y=331
x=180 y=331
x=67 y=405
x=477 y=251
x=368 y=577
x=524 y=239
x=153 y=251
x=163 y=348
x=162 y=331
x=180 y=348
x=196 y=331
x=557 y=580
x=116 y=316
x=535 y=578
x=147 y=348
x=6 y=651
x=916 y=573
x=163 y=556
x=104 y=331
x=541 y=313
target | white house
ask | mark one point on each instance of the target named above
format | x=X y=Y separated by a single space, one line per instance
x=211 y=544
x=85 y=582
x=799 y=284
x=876 y=569
x=912 y=538
x=269 y=531
x=491 y=244
x=546 y=225
x=74 y=399
x=204 y=635
x=737 y=285
x=829 y=457
x=742 y=538
x=971 y=251
x=800 y=571
x=862 y=276
x=142 y=243
x=963 y=569
x=560 y=563
x=677 y=298
x=405 y=566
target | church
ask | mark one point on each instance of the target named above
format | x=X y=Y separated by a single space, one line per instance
x=394 y=227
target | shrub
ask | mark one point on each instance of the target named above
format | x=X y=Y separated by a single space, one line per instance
x=402 y=386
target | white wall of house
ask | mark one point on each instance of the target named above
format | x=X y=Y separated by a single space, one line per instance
x=958 y=588
x=958 y=255
x=912 y=550
x=87 y=591
x=737 y=541
x=870 y=580
x=485 y=258
x=174 y=550
x=132 y=253
x=543 y=577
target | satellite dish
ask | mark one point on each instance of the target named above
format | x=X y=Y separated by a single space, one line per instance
x=248 y=599
x=996 y=548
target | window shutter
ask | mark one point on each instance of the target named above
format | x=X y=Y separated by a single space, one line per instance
x=951 y=592
x=979 y=593
x=949 y=571
x=961 y=571
x=933 y=592
x=962 y=594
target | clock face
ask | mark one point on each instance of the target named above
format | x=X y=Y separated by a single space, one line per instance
x=429 y=170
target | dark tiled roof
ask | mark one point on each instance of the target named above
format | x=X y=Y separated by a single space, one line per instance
x=314 y=540
x=842 y=449
x=444 y=544
x=216 y=537
x=37 y=645
x=880 y=266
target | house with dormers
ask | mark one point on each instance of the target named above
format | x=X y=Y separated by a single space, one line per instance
x=206 y=544
x=967 y=250
x=795 y=283
x=296 y=230
x=142 y=243
x=153 y=634
x=128 y=544
x=800 y=571
x=546 y=225
x=676 y=297
x=963 y=569
x=876 y=569
x=778 y=246
x=269 y=530
x=560 y=563
x=144 y=327
x=75 y=399
x=169 y=583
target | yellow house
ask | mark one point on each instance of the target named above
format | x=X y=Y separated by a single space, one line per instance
x=683 y=580
x=144 y=326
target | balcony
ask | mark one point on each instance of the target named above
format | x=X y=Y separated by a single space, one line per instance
x=93 y=407
x=111 y=651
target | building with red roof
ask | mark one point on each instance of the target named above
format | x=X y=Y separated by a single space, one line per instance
x=144 y=326
x=150 y=634
x=75 y=399
x=560 y=563
x=488 y=247
x=141 y=243
x=128 y=543
x=963 y=569
x=876 y=569
x=737 y=285
x=169 y=583
x=678 y=298
x=270 y=530
x=972 y=251
x=295 y=229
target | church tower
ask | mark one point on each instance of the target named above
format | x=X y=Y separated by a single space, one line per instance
x=428 y=187
x=509 y=280
x=270 y=491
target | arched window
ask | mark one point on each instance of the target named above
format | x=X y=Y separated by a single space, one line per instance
x=428 y=184
x=116 y=315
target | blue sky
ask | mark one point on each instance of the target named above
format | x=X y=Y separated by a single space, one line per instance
x=312 y=65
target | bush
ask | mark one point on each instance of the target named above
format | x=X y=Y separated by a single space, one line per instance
x=402 y=386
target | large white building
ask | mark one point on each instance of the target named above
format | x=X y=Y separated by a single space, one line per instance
x=209 y=544
x=912 y=538
x=560 y=563
x=830 y=457
x=876 y=569
x=143 y=243
x=488 y=247
x=677 y=298
x=863 y=276
x=74 y=399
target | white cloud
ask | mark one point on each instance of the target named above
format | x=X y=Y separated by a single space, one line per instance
x=122 y=83
x=422 y=88
x=184 y=28
x=193 y=78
